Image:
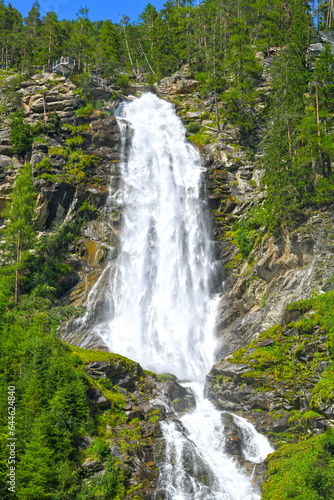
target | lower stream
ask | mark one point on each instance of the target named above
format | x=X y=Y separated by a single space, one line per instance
x=197 y=467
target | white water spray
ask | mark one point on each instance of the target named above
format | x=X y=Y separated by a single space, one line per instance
x=163 y=308
x=201 y=469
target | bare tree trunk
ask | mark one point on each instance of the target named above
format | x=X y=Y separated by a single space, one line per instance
x=322 y=155
x=214 y=75
x=330 y=13
x=217 y=115
x=146 y=57
x=127 y=47
x=289 y=138
x=44 y=108
x=49 y=58
x=18 y=260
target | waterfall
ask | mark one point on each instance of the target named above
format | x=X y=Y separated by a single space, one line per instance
x=162 y=304
x=201 y=469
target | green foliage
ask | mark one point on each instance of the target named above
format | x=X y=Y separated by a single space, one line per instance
x=43 y=275
x=19 y=214
x=53 y=122
x=21 y=134
x=200 y=138
x=56 y=243
x=74 y=141
x=276 y=360
x=110 y=48
x=85 y=111
x=51 y=402
x=88 y=357
x=77 y=164
x=101 y=448
x=303 y=471
x=165 y=377
x=243 y=72
x=123 y=81
x=193 y=128
x=77 y=129
x=110 y=485
x=43 y=164
x=244 y=243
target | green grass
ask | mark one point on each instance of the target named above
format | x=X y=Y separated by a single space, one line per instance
x=88 y=356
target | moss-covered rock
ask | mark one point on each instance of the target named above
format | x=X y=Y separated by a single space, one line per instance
x=126 y=404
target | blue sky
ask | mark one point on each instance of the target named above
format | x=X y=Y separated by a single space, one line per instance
x=98 y=10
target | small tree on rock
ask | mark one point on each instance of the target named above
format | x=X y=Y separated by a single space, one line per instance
x=19 y=234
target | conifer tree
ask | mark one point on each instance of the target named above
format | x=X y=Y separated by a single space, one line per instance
x=50 y=38
x=285 y=178
x=243 y=73
x=19 y=234
x=109 y=48
x=147 y=19
x=32 y=31
x=82 y=37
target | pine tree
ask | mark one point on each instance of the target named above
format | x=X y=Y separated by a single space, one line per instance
x=32 y=30
x=286 y=177
x=36 y=476
x=109 y=48
x=82 y=39
x=50 y=38
x=243 y=74
x=11 y=20
x=19 y=234
x=147 y=19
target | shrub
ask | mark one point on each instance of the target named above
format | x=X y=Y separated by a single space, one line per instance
x=85 y=111
x=101 y=448
x=193 y=128
x=123 y=81
x=244 y=243
x=21 y=134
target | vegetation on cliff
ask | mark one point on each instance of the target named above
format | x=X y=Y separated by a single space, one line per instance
x=283 y=381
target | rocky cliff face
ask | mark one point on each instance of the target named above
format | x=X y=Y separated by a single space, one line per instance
x=282 y=269
x=128 y=403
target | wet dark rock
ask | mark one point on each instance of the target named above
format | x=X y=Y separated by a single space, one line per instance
x=98 y=399
x=232 y=437
x=182 y=397
x=85 y=443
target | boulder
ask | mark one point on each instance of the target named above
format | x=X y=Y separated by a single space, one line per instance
x=98 y=399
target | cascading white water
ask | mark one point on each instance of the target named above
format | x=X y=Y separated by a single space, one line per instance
x=163 y=312
x=162 y=305
x=201 y=469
